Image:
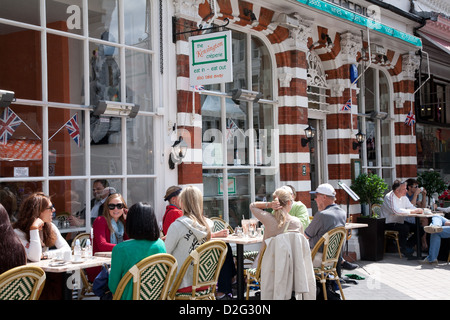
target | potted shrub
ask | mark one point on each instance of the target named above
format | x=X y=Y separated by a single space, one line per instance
x=432 y=182
x=371 y=189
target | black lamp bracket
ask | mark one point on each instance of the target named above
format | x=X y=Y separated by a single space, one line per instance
x=199 y=29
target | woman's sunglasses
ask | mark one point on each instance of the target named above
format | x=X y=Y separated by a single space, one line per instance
x=118 y=206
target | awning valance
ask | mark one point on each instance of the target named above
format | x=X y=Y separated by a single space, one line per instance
x=438 y=42
x=345 y=14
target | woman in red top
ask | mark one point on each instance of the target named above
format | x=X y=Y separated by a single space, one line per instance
x=109 y=228
x=173 y=210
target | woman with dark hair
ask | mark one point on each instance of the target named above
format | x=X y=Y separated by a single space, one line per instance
x=12 y=252
x=35 y=228
x=142 y=228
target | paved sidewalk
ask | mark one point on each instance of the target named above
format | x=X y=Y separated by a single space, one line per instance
x=399 y=279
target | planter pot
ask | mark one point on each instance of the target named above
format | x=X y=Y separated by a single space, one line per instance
x=371 y=239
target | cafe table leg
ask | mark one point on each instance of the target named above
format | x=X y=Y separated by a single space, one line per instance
x=240 y=271
x=418 y=238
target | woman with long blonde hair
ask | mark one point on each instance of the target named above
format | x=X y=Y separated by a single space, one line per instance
x=189 y=231
x=279 y=220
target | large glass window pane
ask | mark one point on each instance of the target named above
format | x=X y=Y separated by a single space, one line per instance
x=384 y=93
x=21 y=141
x=261 y=69
x=371 y=145
x=213 y=204
x=239 y=43
x=104 y=73
x=66 y=142
x=386 y=143
x=137 y=23
x=140 y=150
x=106 y=145
x=20 y=10
x=237 y=133
x=369 y=90
x=264 y=185
x=211 y=130
x=104 y=19
x=65 y=69
x=20 y=61
x=68 y=197
x=263 y=123
x=65 y=16
x=239 y=196
x=141 y=190
x=139 y=79
x=13 y=193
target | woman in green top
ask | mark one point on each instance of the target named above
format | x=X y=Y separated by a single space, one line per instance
x=142 y=228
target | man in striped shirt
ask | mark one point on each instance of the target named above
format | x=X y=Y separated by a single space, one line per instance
x=395 y=208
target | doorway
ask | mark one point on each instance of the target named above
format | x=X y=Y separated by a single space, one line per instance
x=317 y=152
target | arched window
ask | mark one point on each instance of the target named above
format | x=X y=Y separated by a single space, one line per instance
x=375 y=119
x=237 y=134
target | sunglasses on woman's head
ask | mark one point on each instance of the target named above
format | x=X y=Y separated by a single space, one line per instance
x=118 y=206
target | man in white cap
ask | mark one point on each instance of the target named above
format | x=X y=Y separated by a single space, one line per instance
x=328 y=217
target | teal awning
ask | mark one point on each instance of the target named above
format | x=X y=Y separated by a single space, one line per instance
x=361 y=20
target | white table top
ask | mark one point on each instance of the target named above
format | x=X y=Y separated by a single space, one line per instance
x=240 y=240
x=423 y=215
x=52 y=265
x=354 y=225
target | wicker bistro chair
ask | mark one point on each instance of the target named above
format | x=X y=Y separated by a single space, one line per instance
x=22 y=283
x=332 y=242
x=254 y=274
x=86 y=291
x=152 y=278
x=207 y=260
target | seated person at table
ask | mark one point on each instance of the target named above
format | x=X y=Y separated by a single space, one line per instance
x=298 y=210
x=109 y=228
x=192 y=215
x=280 y=220
x=142 y=228
x=412 y=193
x=35 y=228
x=395 y=208
x=173 y=210
x=328 y=217
x=438 y=229
x=188 y=232
x=12 y=252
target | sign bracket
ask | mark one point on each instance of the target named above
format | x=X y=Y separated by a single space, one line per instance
x=175 y=34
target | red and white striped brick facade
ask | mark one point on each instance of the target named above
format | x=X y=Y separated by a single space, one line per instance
x=290 y=46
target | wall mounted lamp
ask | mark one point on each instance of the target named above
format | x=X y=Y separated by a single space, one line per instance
x=116 y=109
x=360 y=138
x=310 y=132
x=6 y=97
x=238 y=95
x=178 y=152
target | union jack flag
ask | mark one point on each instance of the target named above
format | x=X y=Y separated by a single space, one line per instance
x=347 y=105
x=74 y=129
x=198 y=88
x=9 y=121
x=410 y=119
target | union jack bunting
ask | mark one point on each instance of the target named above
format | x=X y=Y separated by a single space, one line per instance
x=410 y=119
x=347 y=105
x=9 y=121
x=74 y=129
x=198 y=88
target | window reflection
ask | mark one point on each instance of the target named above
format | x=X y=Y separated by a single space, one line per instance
x=13 y=193
x=20 y=141
x=103 y=17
